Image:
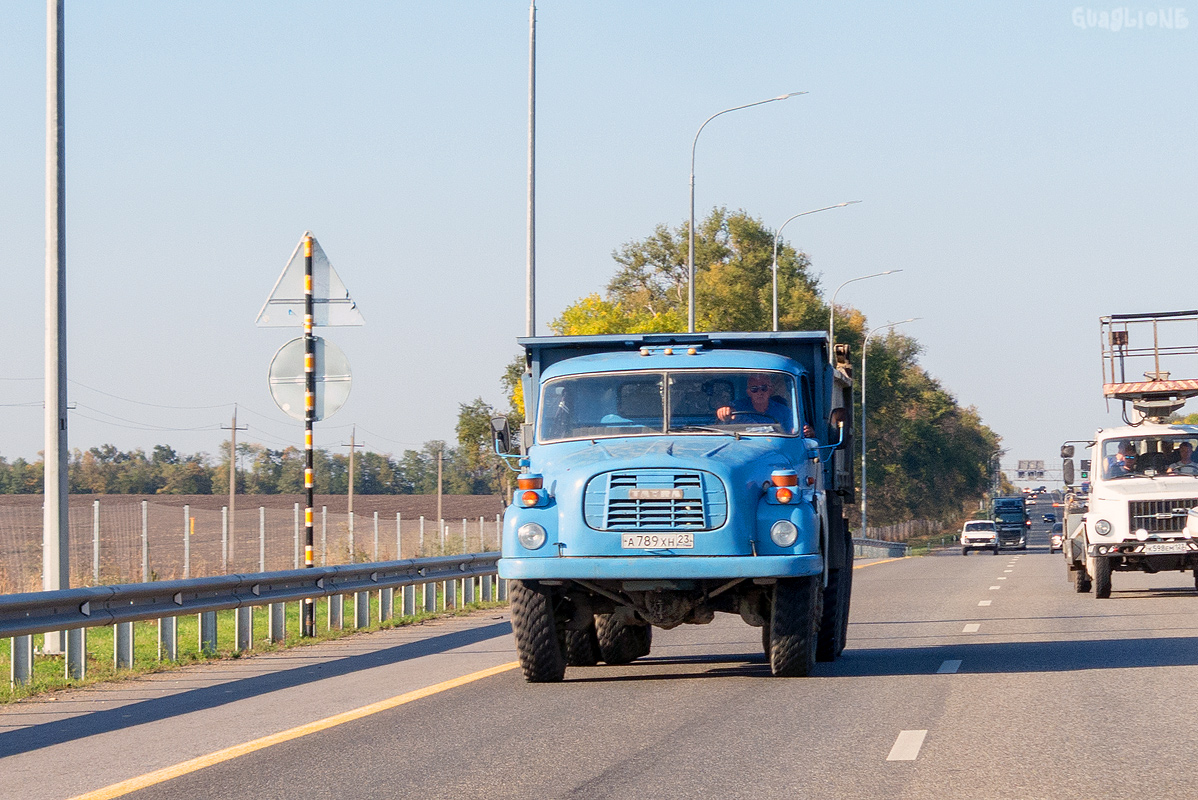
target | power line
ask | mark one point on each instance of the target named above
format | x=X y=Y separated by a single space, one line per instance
x=142 y=402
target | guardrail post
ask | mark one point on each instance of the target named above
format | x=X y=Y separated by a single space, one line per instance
x=277 y=613
x=76 y=659
x=386 y=604
x=168 y=638
x=243 y=628
x=488 y=593
x=502 y=589
x=95 y=541
x=430 y=597
x=21 y=672
x=361 y=609
x=409 y=600
x=122 y=645
x=207 y=633
x=469 y=595
x=336 y=611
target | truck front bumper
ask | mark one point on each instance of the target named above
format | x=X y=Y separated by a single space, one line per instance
x=659 y=567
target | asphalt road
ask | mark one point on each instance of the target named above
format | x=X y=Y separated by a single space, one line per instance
x=966 y=677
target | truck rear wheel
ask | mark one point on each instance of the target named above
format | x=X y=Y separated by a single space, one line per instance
x=835 y=616
x=540 y=640
x=1102 y=578
x=621 y=643
x=794 y=627
x=582 y=647
x=1081 y=580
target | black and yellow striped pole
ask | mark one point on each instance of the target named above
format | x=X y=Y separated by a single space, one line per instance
x=309 y=621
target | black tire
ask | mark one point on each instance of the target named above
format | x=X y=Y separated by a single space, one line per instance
x=835 y=617
x=1102 y=578
x=994 y=552
x=848 y=601
x=621 y=643
x=1081 y=580
x=765 y=638
x=1196 y=579
x=964 y=551
x=794 y=627
x=582 y=647
x=540 y=639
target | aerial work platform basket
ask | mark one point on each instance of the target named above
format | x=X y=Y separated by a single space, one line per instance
x=1140 y=355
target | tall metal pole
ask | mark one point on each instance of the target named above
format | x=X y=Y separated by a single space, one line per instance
x=690 y=252
x=864 y=348
x=777 y=237
x=309 y=614
x=832 y=309
x=530 y=311
x=55 y=519
x=233 y=482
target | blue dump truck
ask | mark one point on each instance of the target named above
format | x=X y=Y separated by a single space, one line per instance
x=1011 y=520
x=667 y=477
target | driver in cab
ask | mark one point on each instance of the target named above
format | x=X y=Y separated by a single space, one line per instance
x=760 y=405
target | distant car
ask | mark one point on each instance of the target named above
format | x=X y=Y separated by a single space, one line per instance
x=979 y=534
x=1050 y=517
x=1056 y=537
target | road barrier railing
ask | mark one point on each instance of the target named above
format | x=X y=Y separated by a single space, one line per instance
x=875 y=548
x=73 y=610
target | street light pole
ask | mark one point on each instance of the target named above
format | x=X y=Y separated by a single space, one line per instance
x=864 y=348
x=778 y=234
x=690 y=257
x=832 y=309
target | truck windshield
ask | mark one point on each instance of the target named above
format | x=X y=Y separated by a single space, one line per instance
x=1149 y=456
x=688 y=401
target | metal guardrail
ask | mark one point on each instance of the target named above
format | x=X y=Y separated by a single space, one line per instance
x=41 y=612
x=875 y=548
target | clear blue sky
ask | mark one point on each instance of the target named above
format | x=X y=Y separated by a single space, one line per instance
x=1027 y=174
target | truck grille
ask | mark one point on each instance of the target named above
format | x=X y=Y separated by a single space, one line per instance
x=655 y=499
x=1160 y=516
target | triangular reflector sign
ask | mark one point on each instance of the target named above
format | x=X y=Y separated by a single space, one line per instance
x=331 y=303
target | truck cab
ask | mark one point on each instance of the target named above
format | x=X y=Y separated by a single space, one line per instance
x=665 y=478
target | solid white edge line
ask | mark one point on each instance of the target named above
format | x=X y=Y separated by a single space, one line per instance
x=907 y=745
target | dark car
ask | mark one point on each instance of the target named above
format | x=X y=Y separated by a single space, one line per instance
x=1050 y=517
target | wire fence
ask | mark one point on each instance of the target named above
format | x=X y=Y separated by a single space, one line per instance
x=129 y=540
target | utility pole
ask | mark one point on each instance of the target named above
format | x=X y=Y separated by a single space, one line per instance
x=353 y=445
x=233 y=477
x=55 y=517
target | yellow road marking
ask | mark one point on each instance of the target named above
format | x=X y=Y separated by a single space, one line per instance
x=229 y=753
x=875 y=563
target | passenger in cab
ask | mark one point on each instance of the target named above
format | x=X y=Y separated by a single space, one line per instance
x=1185 y=464
x=760 y=405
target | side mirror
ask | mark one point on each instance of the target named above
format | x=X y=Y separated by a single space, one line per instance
x=837 y=420
x=1067 y=469
x=501 y=434
x=1067 y=451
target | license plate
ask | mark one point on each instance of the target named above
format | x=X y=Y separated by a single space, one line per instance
x=1165 y=547
x=657 y=541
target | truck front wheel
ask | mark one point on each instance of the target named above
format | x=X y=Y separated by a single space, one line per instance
x=1102 y=578
x=794 y=627
x=540 y=639
x=621 y=643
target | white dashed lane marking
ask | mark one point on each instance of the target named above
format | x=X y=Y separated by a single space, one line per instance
x=906 y=746
x=1008 y=570
x=949 y=667
x=992 y=588
x=984 y=602
x=971 y=628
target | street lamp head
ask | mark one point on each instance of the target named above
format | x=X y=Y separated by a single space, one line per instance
x=791 y=94
x=847 y=203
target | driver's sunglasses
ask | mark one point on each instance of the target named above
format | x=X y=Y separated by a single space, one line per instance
x=756 y=389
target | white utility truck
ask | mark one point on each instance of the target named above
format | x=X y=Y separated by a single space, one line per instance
x=1142 y=505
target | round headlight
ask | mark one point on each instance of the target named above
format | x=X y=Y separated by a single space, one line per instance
x=1142 y=534
x=1102 y=527
x=531 y=535
x=784 y=533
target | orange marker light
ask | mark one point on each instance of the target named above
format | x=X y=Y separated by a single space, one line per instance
x=785 y=478
x=784 y=495
x=530 y=498
x=530 y=482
